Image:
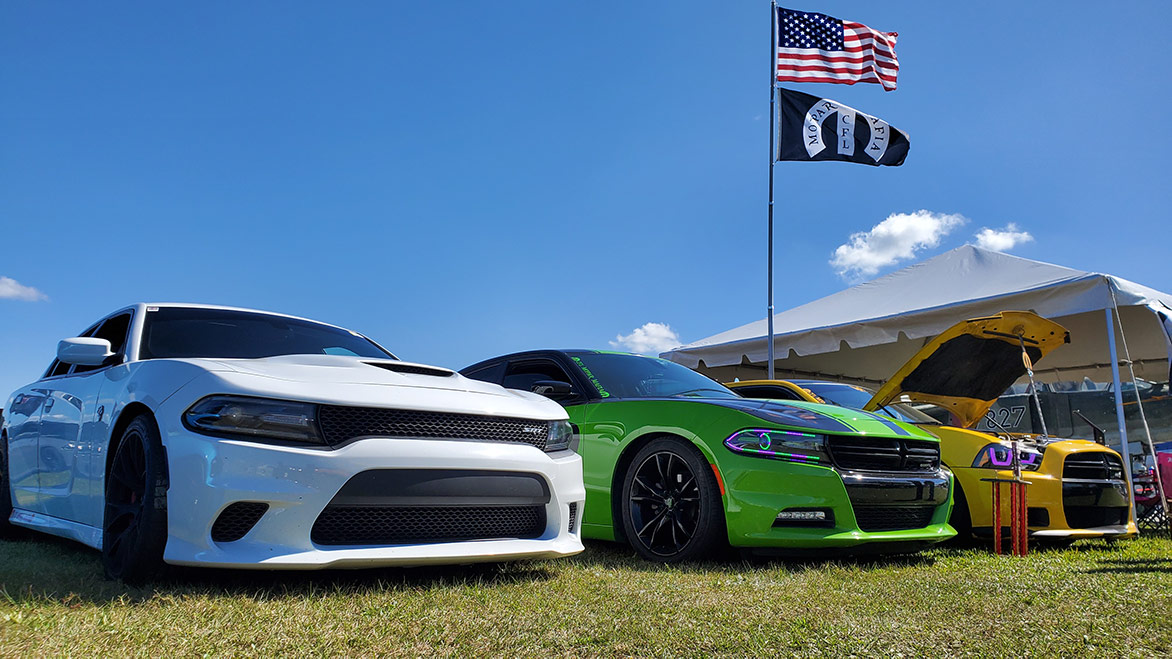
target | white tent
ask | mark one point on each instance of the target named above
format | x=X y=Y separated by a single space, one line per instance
x=866 y=332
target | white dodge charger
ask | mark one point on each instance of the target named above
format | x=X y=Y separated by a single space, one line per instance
x=199 y=435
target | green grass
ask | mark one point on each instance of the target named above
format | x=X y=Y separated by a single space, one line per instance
x=1090 y=600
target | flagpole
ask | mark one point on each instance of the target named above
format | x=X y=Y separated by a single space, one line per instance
x=772 y=156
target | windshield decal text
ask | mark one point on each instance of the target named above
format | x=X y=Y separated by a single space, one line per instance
x=590 y=376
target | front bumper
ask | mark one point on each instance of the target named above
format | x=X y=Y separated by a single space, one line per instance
x=297 y=484
x=757 y=490
x=1047 y=500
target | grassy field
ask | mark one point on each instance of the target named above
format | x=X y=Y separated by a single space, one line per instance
x=1093 y=599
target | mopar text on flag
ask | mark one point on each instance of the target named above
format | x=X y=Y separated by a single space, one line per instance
x=815 y=128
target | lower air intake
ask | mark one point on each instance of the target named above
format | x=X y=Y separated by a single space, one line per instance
x=1088 y=517
x=237 y=520
x=1037 y=517
x=573 y=516
x=397 y=525
x=893 y=518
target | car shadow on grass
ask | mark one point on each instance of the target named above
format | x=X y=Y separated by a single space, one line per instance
x=615 y=555
x=1132 y=566
x=47 y=569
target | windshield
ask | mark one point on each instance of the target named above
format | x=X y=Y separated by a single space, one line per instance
x=616 y=375
x=190 y=332
x=848 y=395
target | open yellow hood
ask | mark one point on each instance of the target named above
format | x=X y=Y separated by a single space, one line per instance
x=969 y=365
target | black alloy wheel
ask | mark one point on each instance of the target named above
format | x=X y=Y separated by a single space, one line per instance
x=672 y=509
x=7 y=530
x=134 y=531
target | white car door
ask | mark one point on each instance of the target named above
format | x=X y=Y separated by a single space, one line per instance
x=65 y=449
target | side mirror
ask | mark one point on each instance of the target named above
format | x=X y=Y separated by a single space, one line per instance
x=553 y=389
x=84 y=351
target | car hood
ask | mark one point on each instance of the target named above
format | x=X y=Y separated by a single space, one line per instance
x=345 y=380
x=970 y=364
x=822 y=418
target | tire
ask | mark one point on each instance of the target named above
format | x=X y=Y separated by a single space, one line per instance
x=134 y=527
x=961 y=518
x=671 y=505
x=7 y=530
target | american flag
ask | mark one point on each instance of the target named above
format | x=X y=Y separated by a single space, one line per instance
x=813 y=47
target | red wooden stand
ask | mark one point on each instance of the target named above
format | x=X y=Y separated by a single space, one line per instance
x=1018 y=525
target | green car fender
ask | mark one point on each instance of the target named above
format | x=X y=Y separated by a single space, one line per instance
x=612 y=432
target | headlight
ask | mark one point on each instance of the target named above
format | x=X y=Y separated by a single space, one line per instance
x=1000 y=456
x=779 y=445
x=561 y=437
x=259 y=418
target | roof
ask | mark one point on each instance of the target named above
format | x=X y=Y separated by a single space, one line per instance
x=921 y=301
x=194 y=305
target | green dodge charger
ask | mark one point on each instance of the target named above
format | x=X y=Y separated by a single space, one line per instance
x=678 y=466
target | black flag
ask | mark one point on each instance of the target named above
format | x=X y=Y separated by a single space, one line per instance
x=814 y=128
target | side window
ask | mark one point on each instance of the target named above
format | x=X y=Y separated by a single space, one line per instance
x=490 y=373
x=113 y=330
x=522 y=375
x=57 y=368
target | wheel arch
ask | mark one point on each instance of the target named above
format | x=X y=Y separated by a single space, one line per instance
x=962 y=512
x=128 y=414
x=627 y=455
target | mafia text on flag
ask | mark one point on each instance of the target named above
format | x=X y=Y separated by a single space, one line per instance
x=814 y=128
x=813 y=47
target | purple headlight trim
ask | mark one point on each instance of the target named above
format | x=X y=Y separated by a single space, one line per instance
x=1001 y=457
x=765 y=441
x=995 y=461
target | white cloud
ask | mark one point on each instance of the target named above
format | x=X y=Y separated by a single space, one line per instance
x=895 y=239
x=650 y=339
x=10 y=289
x=1002 y=240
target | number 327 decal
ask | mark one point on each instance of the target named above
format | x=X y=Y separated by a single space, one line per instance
x=1005 y=417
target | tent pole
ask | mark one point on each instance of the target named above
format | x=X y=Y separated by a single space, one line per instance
x=772 y=154
x=1117 y=386
x=1143 y=417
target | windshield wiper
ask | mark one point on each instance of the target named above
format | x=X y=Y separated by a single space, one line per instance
x=692 y=391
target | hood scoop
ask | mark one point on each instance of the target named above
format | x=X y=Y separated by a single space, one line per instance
x=412 y=369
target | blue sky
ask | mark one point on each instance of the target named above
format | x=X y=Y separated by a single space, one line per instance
x=463 y=179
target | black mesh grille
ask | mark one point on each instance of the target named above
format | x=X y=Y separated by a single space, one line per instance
x=883 y=453
x=1093 y=465
x=339 y=424
x=1086 y=517
x=237 y=520
x=368 y=525
x=573 y=516
x=893 y=518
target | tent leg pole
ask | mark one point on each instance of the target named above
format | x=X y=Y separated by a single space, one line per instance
x=1117 y=386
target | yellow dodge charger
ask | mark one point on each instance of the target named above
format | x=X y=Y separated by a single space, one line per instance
x=1077 y=488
